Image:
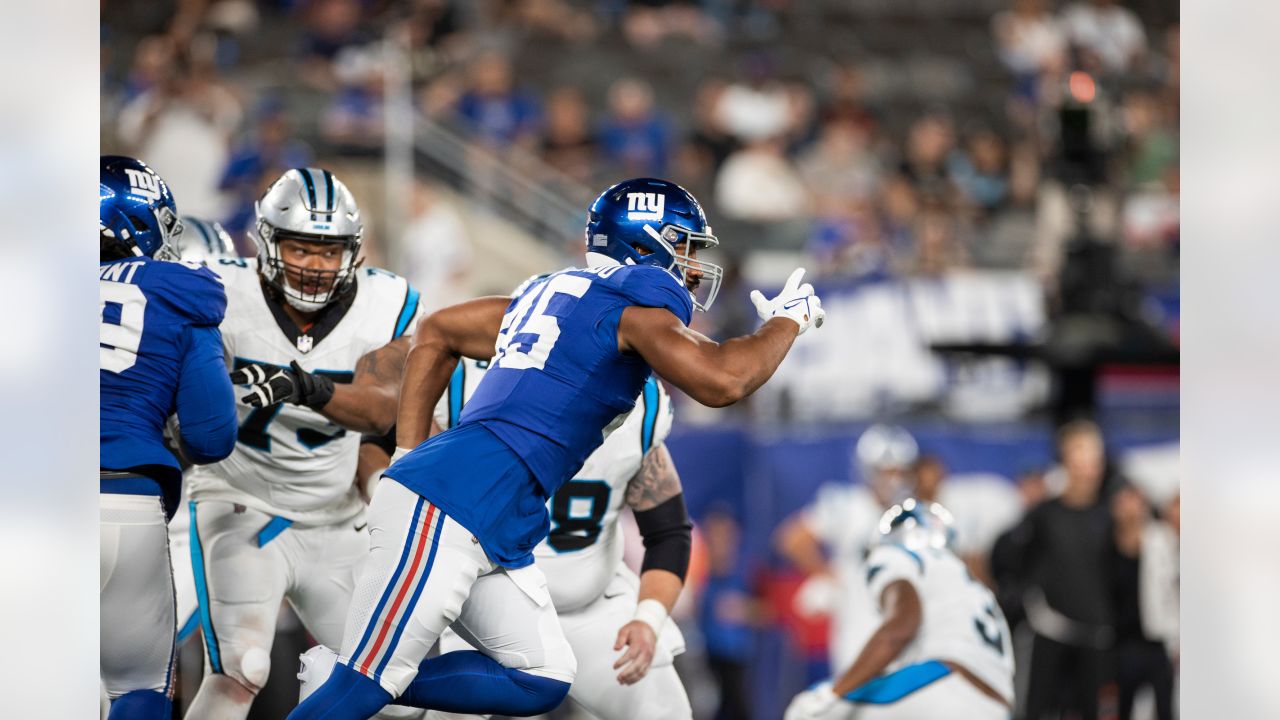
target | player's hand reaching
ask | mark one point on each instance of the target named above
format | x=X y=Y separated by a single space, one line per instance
x=271 y=385
x=640 y=640
x=817 y=703
x=796 y=302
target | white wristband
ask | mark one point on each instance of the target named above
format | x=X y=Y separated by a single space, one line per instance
x=399 y=453
x=651 y=613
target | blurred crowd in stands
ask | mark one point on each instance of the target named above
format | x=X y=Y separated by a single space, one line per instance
x=878 y=138
x=821 y=125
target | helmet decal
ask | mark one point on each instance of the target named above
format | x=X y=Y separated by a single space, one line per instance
x=647 y=221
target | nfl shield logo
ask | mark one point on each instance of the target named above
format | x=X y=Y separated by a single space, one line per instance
x=304 y=343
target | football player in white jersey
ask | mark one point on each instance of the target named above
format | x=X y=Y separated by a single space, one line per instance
x=615 y=622
x=321 y=343
x=941 y=649
x=843 y=518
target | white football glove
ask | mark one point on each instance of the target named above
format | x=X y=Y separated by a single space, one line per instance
x=818 y=703
x=816 y=596
x=796 y=302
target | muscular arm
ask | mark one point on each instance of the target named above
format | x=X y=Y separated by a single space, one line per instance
x=714 y=374
x=900 y=606
x=657 y=499
x=654 y=484
x=470 y=329
x=206 y=404
x=368 y=404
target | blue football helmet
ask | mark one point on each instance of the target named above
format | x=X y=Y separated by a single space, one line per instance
x=918 y=525
x=203 y=241
x=136 y=209
x=642 y=221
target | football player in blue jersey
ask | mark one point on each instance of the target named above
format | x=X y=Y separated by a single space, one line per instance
x=159 y=353
x=455 y=520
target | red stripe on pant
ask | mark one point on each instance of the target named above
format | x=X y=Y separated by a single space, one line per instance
x=404 y=589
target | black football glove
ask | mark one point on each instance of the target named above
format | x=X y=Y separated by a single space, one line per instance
x=270 y=385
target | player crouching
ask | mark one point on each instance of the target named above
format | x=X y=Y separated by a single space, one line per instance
x=942 y=648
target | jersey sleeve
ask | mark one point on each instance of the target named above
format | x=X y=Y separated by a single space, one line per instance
x=889 y=563
x=651 y=286
x=411 y=311
x=194 y=291
x=665 y=414
x=206 y=402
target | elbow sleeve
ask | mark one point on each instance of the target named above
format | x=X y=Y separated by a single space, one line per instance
x=668 y=537
x=206 y=401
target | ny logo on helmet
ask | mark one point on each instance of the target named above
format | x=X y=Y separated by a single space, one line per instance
x=646 y=206
x=144 y=184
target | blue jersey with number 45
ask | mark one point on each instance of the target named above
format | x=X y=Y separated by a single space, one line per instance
x=557 y=385
x=160 y=352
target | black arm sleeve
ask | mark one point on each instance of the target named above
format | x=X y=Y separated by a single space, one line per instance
x=668 y=537
x=386 y=442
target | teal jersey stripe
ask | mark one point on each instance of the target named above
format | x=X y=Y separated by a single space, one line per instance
x=650 y=413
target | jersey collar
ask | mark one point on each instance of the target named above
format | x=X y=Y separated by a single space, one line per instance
x=326 y=320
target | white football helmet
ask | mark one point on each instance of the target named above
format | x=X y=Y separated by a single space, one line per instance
x=203 y=241
x=884 y=447
x=311 y=205
x=883 y=458
x=918 y=525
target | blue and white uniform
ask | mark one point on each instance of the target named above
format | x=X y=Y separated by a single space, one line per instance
x=454 y=523
x=593 y=591
x=160 y=352
x=557 y=387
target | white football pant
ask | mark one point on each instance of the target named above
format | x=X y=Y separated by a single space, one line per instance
x=245 y=562
x=136 y=595
x=426 y=572
x=591 y=632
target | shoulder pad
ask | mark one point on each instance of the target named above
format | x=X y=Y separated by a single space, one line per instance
x=651 y=286
x=191 y=289
x=232 y=270
x=378 y=275
x=889 y=563
x=396 y=293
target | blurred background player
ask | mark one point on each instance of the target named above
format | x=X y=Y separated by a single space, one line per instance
x=941 y=648
x=982 y=506
x=159 y=353
x=204 y=241
x=843 y=519
x=573 y=352
x=320 y=342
